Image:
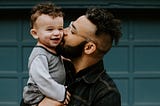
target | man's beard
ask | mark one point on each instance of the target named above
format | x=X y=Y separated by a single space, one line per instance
x=71 y=52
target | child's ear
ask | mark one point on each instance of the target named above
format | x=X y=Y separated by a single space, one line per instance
x=33 y=32
x=89 y=48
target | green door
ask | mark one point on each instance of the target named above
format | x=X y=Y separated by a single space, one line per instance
x=134 y=64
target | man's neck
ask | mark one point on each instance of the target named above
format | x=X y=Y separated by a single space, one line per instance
x=83 y=62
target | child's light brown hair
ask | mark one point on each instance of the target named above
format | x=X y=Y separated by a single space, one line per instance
x=47 y=8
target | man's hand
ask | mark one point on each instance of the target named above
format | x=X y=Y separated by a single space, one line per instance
x=50 y=102
x=66 y=101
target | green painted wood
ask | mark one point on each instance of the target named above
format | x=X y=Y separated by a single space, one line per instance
x=134 y=64
x=23 y=4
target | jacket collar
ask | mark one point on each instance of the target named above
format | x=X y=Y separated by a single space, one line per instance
x=92 y=73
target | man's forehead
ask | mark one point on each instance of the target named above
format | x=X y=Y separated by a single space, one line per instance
x=82 y=18
x=83 y=22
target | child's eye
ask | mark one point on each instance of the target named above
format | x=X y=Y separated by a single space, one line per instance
x=60 y=29
x=49 y=29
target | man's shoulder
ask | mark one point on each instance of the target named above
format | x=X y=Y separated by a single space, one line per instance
x=106 y=83
x=67 y=63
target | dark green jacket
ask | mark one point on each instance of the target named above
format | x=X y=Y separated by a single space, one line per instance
x=91 y=87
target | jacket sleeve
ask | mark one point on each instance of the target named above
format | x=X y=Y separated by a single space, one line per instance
x=108 y=98
x=40 y=74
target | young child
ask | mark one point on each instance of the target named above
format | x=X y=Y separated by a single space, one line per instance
x=46 y=69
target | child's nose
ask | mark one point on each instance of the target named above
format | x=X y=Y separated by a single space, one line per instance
x=56 y=32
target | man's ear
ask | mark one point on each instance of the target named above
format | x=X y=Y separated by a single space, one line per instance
x=33 y=32
x=89 y=48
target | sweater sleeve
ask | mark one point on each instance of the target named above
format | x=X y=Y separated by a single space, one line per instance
x=40 y=74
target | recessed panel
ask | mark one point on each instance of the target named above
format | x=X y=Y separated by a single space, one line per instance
x=147 y=28
x=9 y=28
x=9 y=89
x=117 y=60
x=9 y=59
x=147 y=59
x=147 y=91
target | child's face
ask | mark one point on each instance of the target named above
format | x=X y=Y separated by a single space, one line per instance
x=48 y=30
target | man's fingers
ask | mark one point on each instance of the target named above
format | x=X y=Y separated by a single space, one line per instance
x=68 y=95
x=49 y=102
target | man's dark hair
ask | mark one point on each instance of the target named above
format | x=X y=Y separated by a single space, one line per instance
x=105 y=23
x=47 y=8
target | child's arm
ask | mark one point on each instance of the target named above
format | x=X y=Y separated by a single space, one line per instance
x=46 y=84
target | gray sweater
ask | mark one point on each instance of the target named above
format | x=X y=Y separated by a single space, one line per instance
x=46 y=77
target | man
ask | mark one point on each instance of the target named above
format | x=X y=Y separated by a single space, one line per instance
x=86 y=41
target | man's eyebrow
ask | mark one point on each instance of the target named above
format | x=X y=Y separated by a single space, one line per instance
x=73 y=26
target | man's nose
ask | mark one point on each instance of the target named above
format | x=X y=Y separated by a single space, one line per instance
x=65 y=31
